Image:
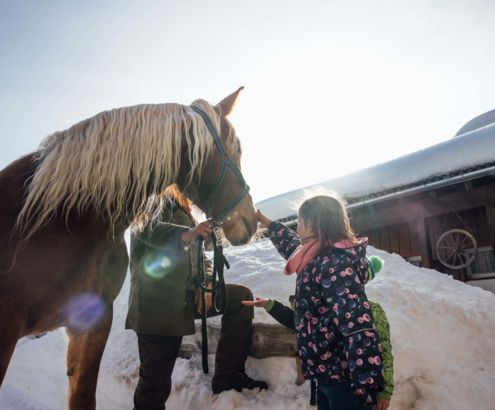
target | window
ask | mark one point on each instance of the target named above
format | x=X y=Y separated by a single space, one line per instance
x=415 y=260
x=484 y=264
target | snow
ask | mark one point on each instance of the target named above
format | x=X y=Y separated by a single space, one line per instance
x=469 y=150
x=443 y=335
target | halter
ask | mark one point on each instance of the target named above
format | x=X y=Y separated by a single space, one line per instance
x=227 y=162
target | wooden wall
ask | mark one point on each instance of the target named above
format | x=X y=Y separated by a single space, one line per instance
x=410 y=226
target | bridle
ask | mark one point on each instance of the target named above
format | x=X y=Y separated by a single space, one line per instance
x=227 y=163
x=219 y=261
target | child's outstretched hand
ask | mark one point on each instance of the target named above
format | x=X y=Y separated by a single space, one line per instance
x=262 y=219
x=382 y=404
x=258 y=302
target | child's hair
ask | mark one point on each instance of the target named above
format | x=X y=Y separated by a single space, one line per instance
x=327 y=218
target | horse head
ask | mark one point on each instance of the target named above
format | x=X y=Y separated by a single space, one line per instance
x=112 y=165
x=220 y=189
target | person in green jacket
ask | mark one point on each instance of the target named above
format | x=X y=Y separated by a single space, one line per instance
x=383 y=328
x=285 y=315
x=165 y=299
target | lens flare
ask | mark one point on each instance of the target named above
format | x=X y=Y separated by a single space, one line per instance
x=157 y=265
x=84 y=311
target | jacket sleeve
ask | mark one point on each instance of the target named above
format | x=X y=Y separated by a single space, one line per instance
x=383 y=328
x=285 y=239
x=352 y=316
x=282 y=314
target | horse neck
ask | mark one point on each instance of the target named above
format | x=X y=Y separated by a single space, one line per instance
x=14 y=180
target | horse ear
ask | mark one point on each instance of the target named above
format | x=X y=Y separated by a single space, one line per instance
x=227 y=103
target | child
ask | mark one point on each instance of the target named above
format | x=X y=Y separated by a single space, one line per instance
x=383 y=328
x=285 y=316
x=337 y=340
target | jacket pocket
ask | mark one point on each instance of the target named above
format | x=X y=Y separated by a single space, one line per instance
x=164 y=293
x=163 y=311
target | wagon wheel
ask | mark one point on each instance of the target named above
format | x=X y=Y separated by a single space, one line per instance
x=452 y=247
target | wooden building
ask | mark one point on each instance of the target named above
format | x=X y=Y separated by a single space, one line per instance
x=411 y=226
x=434 y=207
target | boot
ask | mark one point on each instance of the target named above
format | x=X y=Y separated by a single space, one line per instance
x=236 y=381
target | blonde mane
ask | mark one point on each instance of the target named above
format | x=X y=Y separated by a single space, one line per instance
x=112 y=161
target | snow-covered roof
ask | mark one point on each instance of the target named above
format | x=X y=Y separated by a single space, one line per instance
x=473 y=150
x=478 y=122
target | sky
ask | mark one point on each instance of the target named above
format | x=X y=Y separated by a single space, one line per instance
x=331 y=87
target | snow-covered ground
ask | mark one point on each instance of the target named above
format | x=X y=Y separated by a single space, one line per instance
x=443 y=336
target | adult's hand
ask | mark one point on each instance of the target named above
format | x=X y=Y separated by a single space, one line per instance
x=258 y=302
x=262 y=219
x=203 y=230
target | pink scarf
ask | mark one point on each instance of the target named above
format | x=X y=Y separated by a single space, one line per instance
x=303 y=254
x=308 y=250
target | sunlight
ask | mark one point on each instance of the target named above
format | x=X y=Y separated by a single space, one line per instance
x=334 y=112
x=157 y=265
x=84 y=311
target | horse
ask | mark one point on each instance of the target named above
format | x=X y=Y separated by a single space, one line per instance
x=64 y=210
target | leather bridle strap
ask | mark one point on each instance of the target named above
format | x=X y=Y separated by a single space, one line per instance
x=227 y=163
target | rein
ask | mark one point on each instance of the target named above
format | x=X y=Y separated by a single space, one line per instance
x=227 y=163
x=217 y=287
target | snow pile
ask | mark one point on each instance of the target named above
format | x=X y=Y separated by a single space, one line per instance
x=443 y=335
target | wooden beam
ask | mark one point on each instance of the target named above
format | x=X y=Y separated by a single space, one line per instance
x=490 y=219
x=413 y=232
x=394 y=239
x=268 y=340
x=272 y=341
x=423 y=243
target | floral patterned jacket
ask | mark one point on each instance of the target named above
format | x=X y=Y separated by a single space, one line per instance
x=335 y=329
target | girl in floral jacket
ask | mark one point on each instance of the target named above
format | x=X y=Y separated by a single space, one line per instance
x=337 y=340
x=285 y=315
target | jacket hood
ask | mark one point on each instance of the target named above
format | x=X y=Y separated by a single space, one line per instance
x=345 y=244
x=356 y=252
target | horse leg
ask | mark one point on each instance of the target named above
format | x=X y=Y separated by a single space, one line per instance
x=83 y=362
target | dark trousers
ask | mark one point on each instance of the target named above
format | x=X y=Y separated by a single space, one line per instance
x=338 y=396
x=157 y=354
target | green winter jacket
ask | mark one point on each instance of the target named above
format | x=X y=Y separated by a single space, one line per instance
x=383 y=328
x=164 y=277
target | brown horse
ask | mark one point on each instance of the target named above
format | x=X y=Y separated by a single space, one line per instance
x=64 y=210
